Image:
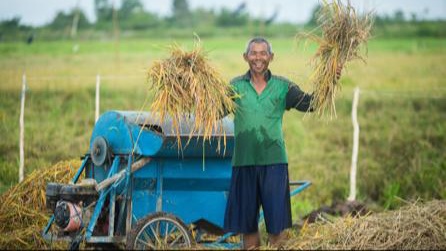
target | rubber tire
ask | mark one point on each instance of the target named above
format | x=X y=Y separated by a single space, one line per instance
x=131 y=238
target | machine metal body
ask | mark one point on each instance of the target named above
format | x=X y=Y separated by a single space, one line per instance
x=139 y=189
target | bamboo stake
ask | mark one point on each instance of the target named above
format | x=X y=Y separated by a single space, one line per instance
x=75 y=22
x=352 y=195
x=22 y=130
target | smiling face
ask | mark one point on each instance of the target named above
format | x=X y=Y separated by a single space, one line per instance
x=258 y=57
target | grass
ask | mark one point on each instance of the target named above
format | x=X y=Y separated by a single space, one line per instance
x=402 y=110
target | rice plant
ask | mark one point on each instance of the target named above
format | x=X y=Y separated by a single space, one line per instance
x=343 y=31
x=186 y=85
x=23 y=213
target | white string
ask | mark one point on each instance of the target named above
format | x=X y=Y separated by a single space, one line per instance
x=430 y=93
x=85 y=76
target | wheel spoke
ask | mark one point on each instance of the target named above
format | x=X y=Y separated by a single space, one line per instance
x=172 y=229
x=176 y=239
x=158 y=222
x=155 y=234
x=146 y=244
x=166 y=235
x=161 y=232
x=148 y=238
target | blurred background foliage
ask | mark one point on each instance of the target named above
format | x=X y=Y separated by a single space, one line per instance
x=130 y=19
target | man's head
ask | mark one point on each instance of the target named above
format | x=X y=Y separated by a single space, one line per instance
x=258 y=54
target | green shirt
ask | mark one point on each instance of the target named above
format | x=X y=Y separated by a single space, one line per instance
x=258 y=119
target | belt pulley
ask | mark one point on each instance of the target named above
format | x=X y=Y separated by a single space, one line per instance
x=100 y=151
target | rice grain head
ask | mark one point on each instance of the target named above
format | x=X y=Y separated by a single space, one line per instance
x=343 y=31
x=185 y=85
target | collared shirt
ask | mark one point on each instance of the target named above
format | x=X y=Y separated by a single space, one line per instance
x=258 y=119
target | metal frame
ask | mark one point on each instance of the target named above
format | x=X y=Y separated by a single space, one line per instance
x=110 y=193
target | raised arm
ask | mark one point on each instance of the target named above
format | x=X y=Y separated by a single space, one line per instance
x=298 y=99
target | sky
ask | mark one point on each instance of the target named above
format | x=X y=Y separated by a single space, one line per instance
x=39 y=12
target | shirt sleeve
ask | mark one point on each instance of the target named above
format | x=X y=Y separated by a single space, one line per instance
x=298 y=99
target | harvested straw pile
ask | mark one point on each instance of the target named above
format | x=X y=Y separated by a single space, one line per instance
x=23 y=213
x=186 y=84
x=343 y=31
x=414 y=226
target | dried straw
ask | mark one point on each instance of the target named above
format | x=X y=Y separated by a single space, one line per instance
x=343 y=31
x=415 y=226
x=23 y=213
x=186 y=84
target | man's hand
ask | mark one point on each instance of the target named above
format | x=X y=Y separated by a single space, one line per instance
x=339 y=71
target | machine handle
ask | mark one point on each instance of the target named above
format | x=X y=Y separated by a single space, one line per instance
x=302 y=185
x=135 y=167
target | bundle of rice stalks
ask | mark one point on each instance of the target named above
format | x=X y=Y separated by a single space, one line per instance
x=23 y=213
x=415 y=226
x=343 y=31
x=186 y=84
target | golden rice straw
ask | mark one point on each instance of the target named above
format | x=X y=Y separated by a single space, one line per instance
x=23 y=213
x=186 y=84
x=343 y=31
x=413 y=227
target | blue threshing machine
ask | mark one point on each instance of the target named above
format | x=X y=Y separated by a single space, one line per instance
x=141 y=191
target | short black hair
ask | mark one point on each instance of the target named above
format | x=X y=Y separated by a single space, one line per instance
x=259 y=40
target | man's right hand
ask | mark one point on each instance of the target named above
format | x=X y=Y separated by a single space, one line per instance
x=339 y=71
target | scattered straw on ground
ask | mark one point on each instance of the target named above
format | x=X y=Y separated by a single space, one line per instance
x=343 y=31
x=415 y=226
x=187 y=84
x=23 y=213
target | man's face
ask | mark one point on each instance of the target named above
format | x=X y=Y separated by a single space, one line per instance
x=258 y=57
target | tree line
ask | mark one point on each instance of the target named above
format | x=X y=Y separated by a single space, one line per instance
x=132 y=17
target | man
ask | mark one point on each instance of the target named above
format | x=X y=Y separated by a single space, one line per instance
x=260 y=164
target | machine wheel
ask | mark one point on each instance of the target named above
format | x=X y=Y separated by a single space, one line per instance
x=159 y=231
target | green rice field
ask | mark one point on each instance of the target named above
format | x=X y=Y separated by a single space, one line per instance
x=402 y=110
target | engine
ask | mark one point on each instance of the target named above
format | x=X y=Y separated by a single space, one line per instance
x=67 y=202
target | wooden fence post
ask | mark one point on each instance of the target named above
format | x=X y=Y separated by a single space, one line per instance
x=22 y=130
x=352 y=195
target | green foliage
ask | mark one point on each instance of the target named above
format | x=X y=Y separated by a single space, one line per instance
x=301 y=207
x=390 y=195
x=11 y=24
x=412 y=153
x=139 y=21
x=135 y=22
x=203 y=18
x=64 y=20
x=314 y=15
x=228 y=18
x=129 y=8
x=103 y=11
x=182 y=17
x=11 y=29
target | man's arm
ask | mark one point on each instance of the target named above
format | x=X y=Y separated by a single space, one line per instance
x=298 y=99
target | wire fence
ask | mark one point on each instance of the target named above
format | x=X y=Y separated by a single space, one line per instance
x=430 y=93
